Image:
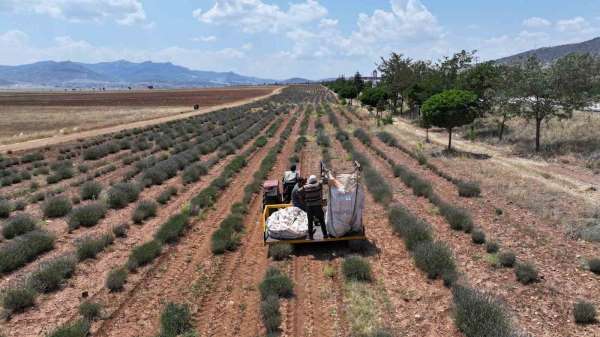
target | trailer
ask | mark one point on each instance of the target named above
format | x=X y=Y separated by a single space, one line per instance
x=326 y=176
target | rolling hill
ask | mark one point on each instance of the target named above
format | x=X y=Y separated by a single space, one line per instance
x=122 y=73
x=549 y=54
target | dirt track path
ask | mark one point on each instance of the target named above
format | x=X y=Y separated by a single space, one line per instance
x=233 y=306
x=43 y=142
x=316 y=310
x=572 y=180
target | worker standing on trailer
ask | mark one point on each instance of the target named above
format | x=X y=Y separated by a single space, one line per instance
x=312 y=197
x=290 y=178
x=296 y=197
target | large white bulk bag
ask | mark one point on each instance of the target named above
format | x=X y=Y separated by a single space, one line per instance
x=345 y=206
x=287 y=223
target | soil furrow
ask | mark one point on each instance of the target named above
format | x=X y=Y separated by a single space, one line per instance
x=557 y=258
x=173 y=277
x=85 y=282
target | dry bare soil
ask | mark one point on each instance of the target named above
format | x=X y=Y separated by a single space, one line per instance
x=32 y=115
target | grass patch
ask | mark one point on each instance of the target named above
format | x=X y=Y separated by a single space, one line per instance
x=90 y=311
x=143 y=254
x=479 y=315
x=356 y=268
x=51 y=275
x=116 y=279
x=434 y=258
x=19 y=224
x=56 y=207
x=90 y=190
x=80 y=328
x=280 y=251
x=89 y=247
x=468 y=189
x=526 y=273
x=18 y=299
x=145 y=209
x=175 y=320
x=24 y=249
x=584 y=312
x=87 y=215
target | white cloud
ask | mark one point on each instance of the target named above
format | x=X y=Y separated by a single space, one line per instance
x=575 y=25
x=247 y=46
x=123 y=12
x=13 y=38
x=536 y=22
x=210 y=38
x=328 y=23
x=254 y=16
x=407 y=27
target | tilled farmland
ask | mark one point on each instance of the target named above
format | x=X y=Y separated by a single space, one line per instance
x=156 y=231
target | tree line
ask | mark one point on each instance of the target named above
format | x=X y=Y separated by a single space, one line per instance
x=457 y=90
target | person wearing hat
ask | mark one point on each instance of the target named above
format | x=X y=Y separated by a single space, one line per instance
x=312 y=198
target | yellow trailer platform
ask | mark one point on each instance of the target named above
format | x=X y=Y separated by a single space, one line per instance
x=317 y=238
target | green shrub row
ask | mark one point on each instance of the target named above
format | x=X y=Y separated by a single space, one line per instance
x=144 y=210
x=227 y=236
x=275 y=285
x=165 y=196
x=357 y=268
x=458 y=218
x=86 y=215
x=173 y=228
x=175 y=320
x=49 y=277
x=476 y=314
x=18 y=224
x=24 y=249
x=467 y=189
x=89 y=247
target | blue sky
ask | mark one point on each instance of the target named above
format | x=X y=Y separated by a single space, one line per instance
x=281 y=39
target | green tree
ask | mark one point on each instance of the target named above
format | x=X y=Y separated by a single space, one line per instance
x=450 y=109
x=398 y=77
x=504 y=106
x=358 y=82
x=372 y=96
x=348 y=91
x=555 y=91
x=483 y=80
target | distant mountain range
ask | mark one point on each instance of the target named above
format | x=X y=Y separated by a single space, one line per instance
x=549 y=54
x=116 y=74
